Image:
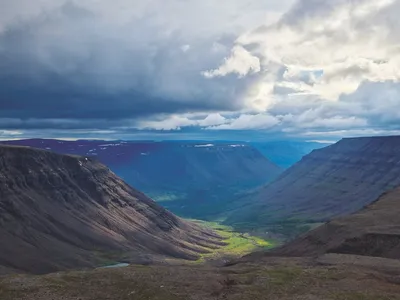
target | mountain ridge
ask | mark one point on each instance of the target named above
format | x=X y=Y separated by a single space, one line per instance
x=329 y=182
x=192 y=179
x=59 y=211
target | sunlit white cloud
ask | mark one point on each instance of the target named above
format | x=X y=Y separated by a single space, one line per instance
x=246 y=122
x=326 y=65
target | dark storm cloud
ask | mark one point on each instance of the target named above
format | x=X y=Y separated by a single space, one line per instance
x=70 y=63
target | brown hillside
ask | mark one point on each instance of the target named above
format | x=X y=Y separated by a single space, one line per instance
x=373 y=231
x=59 y=212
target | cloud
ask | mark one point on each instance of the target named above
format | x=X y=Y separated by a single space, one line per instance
x=247 y=121
x=121 y=59
x=324 y=66
x=240 y=62
x=177 y=122
x=212 y=120
x=346 y=43
x=173 y=122
x=316 y=68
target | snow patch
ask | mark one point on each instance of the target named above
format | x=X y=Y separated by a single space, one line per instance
x=204 y=146
x=110 y=145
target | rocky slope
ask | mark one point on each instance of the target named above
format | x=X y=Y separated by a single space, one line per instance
x=193 y=179
x=332 y=181
x=373 y=231
x=60 y=211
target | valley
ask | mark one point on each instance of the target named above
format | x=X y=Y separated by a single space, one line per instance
x=197 y=180
x=237 y=244
x=286 y=153
x=326 y=228
x=199 y=150
x=333 y=181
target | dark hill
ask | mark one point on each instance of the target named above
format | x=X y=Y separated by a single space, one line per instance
x=329 y=182
x=60 y=211
x=373 y=231
x=193 y=179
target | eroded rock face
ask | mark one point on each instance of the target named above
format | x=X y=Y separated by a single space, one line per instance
x=329 y=182
x=60 y=211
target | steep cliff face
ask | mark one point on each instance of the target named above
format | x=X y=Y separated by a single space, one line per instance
x=332 y=181
x=190 y=178
x=373 y=231
x=61 y=211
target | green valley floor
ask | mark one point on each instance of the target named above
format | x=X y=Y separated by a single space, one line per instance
x=237 y=244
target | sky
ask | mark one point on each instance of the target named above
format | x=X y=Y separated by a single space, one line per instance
x=189 y=69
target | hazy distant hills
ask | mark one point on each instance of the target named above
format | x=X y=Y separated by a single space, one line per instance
x=329 y=182
x=286 y=153
x=193 y=179
x=60 y=211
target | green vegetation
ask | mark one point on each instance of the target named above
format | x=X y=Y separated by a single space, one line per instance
x=237 y=244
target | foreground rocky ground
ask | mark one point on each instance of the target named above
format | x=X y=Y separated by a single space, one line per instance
x=331 y=277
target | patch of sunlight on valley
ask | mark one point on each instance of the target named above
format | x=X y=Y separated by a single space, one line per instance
x=237 y=244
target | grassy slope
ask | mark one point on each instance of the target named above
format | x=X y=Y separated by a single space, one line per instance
x=237 y=244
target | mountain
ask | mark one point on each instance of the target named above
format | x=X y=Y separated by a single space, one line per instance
x=192 y=179
x=329 y=182
x=373 y=231
x=286 y=153
x=62 y=211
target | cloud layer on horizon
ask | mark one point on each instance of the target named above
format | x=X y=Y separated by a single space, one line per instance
x=313 y=69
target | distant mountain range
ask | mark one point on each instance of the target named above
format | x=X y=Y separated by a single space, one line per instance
x=333 y=181
x=193 y=179
x=286 y=153
x=61 y=211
